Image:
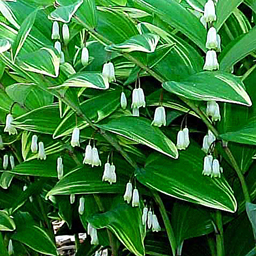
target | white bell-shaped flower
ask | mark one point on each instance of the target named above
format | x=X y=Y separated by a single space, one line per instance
x=218 y=43
x=155 y=224
x=8 y=125
x=95 y=157
x=135 y=198
x=75 y=137
x=10 y=248
x=211 y=61
x=57 y=46
x=203 y=21
x=123 y=101
x=81 y=206
x=112 y=174
x=207 y=165
x=138 y=98
x=212 y=42
x=94 y=237
x=55 y=30
x=41 y=152
x=136 y=112
x=206 y=145
x=34 y=146
x=142 y=98
x=1 y=143
x=72 y=198
x=109 y=71
x=85 y=56
x=107 y=172
x=150 y=219
x=159 y=117
x=88 y=155
x=65 y=33
x=186 y=137
x=12 y=162
x=62 y=57
x=128 y=192
x=213 y=110
x=145 y=215
x=59 y=167
x=209 y=11
x=211 y=137
x=181 y=145
x=216 y=115
x=216 y=169
x=5 y=162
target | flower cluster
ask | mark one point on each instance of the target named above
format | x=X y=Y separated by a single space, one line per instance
x=208 y=141
x=213 y=111
x=132 y=194
x=109 y=173
x=183 y=139
x=91 y=156
x=212 y=167
x=149 y=218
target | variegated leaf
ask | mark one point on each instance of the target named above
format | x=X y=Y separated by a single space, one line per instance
x=4 y=45
x=8 y=14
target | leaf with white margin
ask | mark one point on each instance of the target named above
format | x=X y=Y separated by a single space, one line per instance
x=86 y=79
x=8 y=14
x=207 y=86
x=65 y=13
x=142 y=43
x=5 y=45
x=6 y=223
x=44 y=61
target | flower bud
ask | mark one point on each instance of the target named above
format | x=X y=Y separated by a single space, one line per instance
x=128 y=193
x=94 y=237
x=150 y=219
x=81 y=206
x=8 y=125
x=72 y=198
x=144 y=215
x=155 y=224
x=34 y=146
x=209 y=11
x=159 y=117
x=88 y=155
x=75 y=137
x=59 y=167
x=65 y=33
x=85 y=56
x=186 y=137
x=41 y=152
x=211 y=61
x=109 y=71
x=181 y=140
x=135 y=198
x=211 y=42
x=89 y=228
x=12 y=162
x=5 y=162
x=57 y=46
x=123 y=101
x=10 y=248
x=55 y=30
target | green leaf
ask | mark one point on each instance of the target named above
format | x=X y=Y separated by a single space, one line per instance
x=173 y=178
x=6 y=179
x=23 y=33
x=140 y=130
x=6 y=222
x=172 y=12
x=87 y=80
x=251 y=212
x=223 y=10
x=44 y=61
x=43 y=120
x=8 y=14
x=3 y=249
x=4 y=45
x=143 y=43
x=125 y=222
x=206 y=86
x=65 y=13
x=236 y=50
x=86 y=180
x=252 y=252
x=96 y=109
x=33 y=236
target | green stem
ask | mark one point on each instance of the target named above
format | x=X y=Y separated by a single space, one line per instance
x=167 y=223
x=219 y=235
x=77 y=242
x=211 y=244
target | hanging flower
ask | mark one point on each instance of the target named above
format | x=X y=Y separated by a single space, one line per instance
x=155 y=224
x=135 y=198
x=212 y=42
x=95 y=157
x=89 y=228
x=123 y=101
x=85 y=56
x=88 y=155
x=142 y=98
x=213 y=110
x=107 y=172
x=109 y=71
x=144 y=215
x=150 y=219
x=211 y=61
x=128 y=192
x=72 y=198
x=55 y=30
x=216 y=169
x=138 y=98
x=186 y=137
x=59 y=167
x=207 y=165
x=94 y=237
x=65 y=33
x=81 y=206
x=57 y=46
x=8 y=125
x=75 y=137
x=135 y=112
x=159 y=117
x=183 y=139
x=209 y=11
x=12 y=162
x=112 y=174
x=10 y=248
x=34 y=146
x=5 y=162
x=41 y=152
